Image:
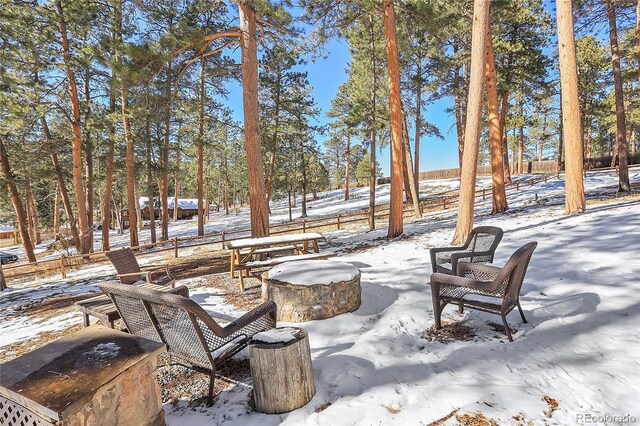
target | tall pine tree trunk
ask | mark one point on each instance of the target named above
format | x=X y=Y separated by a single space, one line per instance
x=574 y=185
x=138 y=209
x=372 y=166
x=32 y=212
x=111 y=129
x=495 y=138
x=151 y=205
x=88 y=158
x=249 y=48
x=560 y=138
x=621 y=129
x=201 y=216
x=62 y=187
x=503 y=136
x=303 y=162
x=520 y=149
x=129 y=160
x=176 y=175
x=18 y=208
x=412 y=184
x=395 y=109
x=56 y=216
x=521 y=135
x=474 y=118
x=416 y=168
x=347 y=166
x=164 y=181
x=274 y=139
x=457 y=93
x=76 y=139
x=405 y=170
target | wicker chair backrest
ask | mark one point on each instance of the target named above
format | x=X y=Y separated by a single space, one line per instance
x=172 y=319
x=483 y=238
x=518 y=262
x=125 y=263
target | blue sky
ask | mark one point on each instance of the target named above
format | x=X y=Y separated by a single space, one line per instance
x=326 y=75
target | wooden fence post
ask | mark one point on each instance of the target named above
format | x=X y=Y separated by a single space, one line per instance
x=3 y=284
x=532 y=182
x=517 y=185
x=304 y=225
x=63 y=266
x=175 y=242
x=338 y=220
x=484 y=193
x=545 y=178
x=444 y=203
x=222 y=242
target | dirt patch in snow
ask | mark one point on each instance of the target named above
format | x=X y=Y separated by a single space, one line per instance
x=179 y=382
x=449 y=333
x=47 y=308
x=475 y=419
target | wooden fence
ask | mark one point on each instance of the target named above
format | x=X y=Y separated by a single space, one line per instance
x=440 y=201
x=546 y=166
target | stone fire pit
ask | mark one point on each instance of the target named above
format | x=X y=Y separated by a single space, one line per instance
x=308 y=290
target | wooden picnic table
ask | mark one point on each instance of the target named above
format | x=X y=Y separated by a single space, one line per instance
x=243 y=250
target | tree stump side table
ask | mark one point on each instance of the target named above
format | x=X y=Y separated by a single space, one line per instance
x=307 y=290
x=281 y=370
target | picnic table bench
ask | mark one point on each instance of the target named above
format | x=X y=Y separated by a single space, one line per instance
x=244 y=250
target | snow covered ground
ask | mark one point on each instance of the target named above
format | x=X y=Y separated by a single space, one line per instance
x=378 y=365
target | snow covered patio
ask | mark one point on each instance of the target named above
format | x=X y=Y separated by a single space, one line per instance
x=579 y=355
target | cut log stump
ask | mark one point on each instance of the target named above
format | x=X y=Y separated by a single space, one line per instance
x=281 y=370
x=312 y=289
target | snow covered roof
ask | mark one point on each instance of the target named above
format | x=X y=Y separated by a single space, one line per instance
x=183 y=203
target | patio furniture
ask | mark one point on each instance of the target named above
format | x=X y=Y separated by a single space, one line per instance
x=312 y=289
x=103 y=308
x=129 y=270
x=483 y=287
x=194 y=338
x=244 y=250
x=276 y=389
x=95 y=376
x=479 y=248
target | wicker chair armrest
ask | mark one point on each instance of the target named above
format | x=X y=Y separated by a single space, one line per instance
x=478 y=270
x=457 y=281
x=267 y=308
x=133 y=274
x=455 y=257
x=163 y=270
x=434 y=252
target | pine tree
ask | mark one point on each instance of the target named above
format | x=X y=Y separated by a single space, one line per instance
x=571 y=123
x=499 y=195
x=474 y=116
x=395 y=108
